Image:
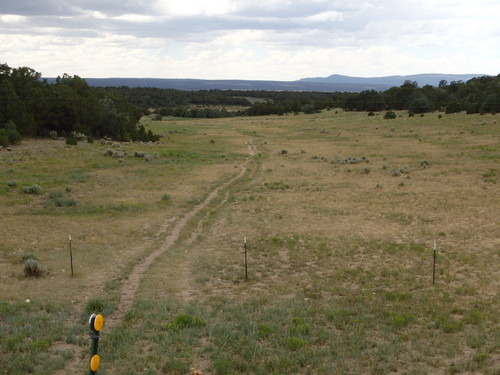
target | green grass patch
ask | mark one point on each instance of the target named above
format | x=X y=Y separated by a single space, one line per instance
x=27 y=331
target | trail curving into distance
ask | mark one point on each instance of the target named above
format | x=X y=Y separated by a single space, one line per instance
x=130 y=285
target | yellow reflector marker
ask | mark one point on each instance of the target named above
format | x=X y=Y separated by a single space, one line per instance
x=98 y=322
x=94 y=362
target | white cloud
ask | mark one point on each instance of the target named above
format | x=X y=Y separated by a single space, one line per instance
x=277 y=39
x=194 y=7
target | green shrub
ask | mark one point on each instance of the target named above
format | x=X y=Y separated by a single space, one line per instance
x=481 y=357
x=65 y=202
x=182 y=321
x=33 y=268
x=71 y=139
x=398 y=321
x=166 y=198
x=98 y=305
x=9 y=135
x=278 y=185
x=390 y=115
x=38 y=345
x=294 y=343
x=264 y=331
x=447 y=324
x=55 y=194
x=299 y=328
x=11 y=183
x=32 y=189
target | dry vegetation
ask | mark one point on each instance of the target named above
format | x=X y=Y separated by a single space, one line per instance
x=340 y=211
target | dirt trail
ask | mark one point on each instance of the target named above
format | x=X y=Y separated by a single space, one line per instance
x=132 y=283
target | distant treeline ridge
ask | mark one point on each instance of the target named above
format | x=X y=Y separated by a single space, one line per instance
x=477 y=95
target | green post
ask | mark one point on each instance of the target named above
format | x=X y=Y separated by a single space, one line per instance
x=95 y=324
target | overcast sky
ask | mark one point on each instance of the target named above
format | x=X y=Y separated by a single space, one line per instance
x=248 y=39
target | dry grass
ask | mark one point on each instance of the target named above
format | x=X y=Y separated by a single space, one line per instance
x=340 y=256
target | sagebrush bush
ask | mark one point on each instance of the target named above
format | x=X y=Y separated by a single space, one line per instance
x=149 y=157
x=399 y=171
x=57 y=199
x=11 y=183
x=140 y=154
x=64 y=202
x=424 y=163
x=32 y=189
x=33 y=268
x=56 y=194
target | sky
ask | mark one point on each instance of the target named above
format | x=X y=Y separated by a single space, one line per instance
x=281 y=40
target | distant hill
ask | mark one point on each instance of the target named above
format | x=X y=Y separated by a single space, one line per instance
x=391 y=81
x=333 y=83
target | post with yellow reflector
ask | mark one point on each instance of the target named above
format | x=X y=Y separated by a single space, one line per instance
x=96 y=323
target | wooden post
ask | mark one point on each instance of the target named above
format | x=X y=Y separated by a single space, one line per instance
x=434 y=264
x=71 y=255
x=246 y=258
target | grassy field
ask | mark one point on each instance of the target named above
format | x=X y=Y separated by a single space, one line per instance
x=340 y=211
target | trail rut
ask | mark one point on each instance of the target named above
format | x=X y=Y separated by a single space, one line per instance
x=131 y=284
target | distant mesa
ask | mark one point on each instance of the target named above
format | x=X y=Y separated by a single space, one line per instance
x=391 y=81
x=333 y=83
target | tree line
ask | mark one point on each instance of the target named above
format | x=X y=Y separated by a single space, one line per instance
x=31 y=107
x=478 y=95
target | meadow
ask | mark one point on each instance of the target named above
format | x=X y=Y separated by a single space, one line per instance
x=340 y=211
